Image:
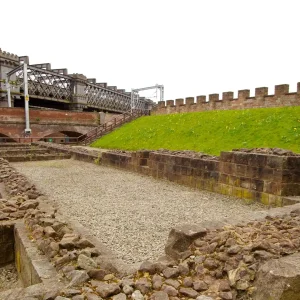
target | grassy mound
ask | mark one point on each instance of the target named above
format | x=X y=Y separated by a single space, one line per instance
x=210 y=131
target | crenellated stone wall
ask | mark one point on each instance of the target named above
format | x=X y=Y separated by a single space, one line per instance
x=262 y=99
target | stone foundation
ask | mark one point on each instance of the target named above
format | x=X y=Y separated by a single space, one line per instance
x=264 y=177
x=218 y=260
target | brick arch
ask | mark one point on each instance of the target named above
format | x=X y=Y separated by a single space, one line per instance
x=6 y=138
x=38 y=131
x=72 y=133
x=60 y=136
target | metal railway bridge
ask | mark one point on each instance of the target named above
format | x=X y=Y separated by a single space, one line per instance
x=55 y=88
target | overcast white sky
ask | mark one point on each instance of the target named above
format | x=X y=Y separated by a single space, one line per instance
x=193 y=47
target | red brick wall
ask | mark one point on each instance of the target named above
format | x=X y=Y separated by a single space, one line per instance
x=262 y=99
x=17 y=115
x=38 y=131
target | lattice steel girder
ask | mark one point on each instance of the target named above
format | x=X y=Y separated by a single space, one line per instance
x=106 y=98
x=47 y=84
x=57 y=86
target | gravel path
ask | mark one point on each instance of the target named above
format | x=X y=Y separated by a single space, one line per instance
x=130 y=213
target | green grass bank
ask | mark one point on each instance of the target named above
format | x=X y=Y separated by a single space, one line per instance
x=210 y=131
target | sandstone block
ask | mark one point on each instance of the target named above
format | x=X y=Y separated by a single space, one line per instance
x=144 y=285
x=180 y=238
x=159 y=296
x=279 y=279
x=29 y=204
x=188 y=292
x=78 y=278
x=68 y=241
x=108 y=289
x=86 y=263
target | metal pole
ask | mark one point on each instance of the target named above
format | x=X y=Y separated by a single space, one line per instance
x=131 y=104
x=159 y=93
x=134 y=101
x=8 y=90
x=162 y=93
x=26 y=98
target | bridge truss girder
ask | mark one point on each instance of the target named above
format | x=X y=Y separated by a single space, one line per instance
x=46 y=84
x=110 y=99
x=56 y=85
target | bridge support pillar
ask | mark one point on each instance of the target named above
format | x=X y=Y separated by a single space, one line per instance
x=102 y=117
x=8 y=62
x=79 y=100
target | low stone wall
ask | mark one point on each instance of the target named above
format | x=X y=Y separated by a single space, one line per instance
x=259 y=176
x=255 y=177
x=268 y=177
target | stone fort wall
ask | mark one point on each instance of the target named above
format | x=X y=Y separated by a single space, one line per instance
x=262 y=99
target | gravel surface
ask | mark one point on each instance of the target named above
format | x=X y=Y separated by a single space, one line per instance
x=9 y=277
x=130 y=213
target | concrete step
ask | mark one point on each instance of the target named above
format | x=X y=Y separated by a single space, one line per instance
x=25 y=151
x=14 y=145
x=14 y=148
x=37 y=157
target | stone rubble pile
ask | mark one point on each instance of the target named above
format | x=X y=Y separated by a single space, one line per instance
x=123 y=152
x=22 y=194
x=187 y=153
x=183 y=153
x=218 y=264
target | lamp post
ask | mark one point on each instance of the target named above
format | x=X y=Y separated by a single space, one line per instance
x=26 y=98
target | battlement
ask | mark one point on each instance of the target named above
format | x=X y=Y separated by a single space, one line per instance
x=262 y=98
x=10 y=56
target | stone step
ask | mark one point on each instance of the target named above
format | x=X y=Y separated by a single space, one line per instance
x=11 y=152
x=14 y=148
x=19 y=145
x=290 y=200
x=37 y=157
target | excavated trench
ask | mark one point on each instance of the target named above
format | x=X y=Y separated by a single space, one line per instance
x=9 y=278
x=21 y=264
